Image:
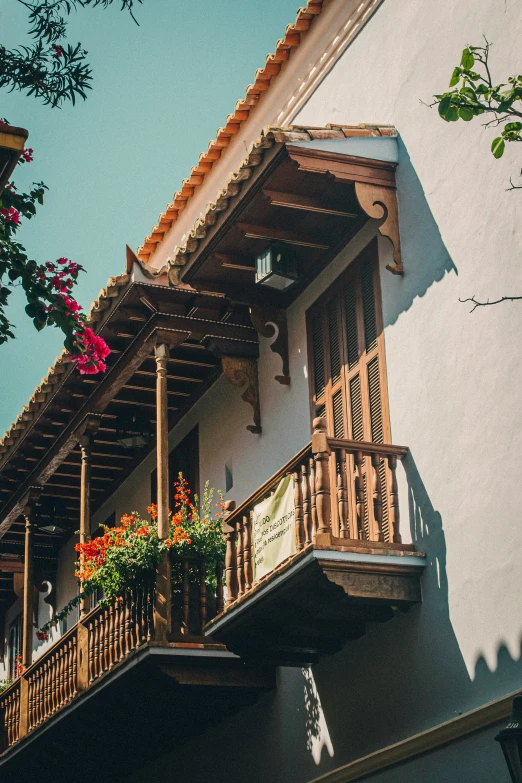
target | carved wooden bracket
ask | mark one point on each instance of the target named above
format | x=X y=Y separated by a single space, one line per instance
x=29 y=502
x=239 y=371
x=267 y=321
x=380 y=202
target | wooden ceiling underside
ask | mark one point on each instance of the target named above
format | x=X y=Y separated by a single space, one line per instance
x=192 y=368
x=309 y=210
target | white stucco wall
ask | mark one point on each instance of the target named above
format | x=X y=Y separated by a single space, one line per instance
x=454 y=381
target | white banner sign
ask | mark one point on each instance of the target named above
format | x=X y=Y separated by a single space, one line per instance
x=273 y=529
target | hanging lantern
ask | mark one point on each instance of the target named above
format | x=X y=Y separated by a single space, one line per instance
x=277 y=267
x=133 y=429
x=52 y=516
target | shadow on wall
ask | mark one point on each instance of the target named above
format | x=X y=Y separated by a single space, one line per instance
x=426 y=259
x=407 y=675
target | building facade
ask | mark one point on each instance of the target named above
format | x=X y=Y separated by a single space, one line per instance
x=396 y=656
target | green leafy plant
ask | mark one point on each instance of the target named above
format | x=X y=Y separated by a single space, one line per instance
x=50 y=69
x=474 y=93
x=127 y=556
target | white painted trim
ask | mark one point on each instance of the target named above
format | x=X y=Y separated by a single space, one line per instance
x=418 y=561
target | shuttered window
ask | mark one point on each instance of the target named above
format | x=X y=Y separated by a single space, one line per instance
x=347 y=365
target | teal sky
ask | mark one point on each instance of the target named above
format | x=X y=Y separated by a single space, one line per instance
x=160 y=91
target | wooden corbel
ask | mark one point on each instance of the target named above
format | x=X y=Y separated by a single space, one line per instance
x=239 y=370
x=380 y=202
x=88 y=428
x=269 y=321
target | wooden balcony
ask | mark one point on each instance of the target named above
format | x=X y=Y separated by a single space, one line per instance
x=110 y=670
x=350 y=566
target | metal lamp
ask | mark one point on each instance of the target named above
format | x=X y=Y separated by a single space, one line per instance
x=133 y=429
x=510 y=740
x=277 y=267
x=53 y=510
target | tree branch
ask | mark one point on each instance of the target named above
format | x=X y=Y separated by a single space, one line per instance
x=487 y=303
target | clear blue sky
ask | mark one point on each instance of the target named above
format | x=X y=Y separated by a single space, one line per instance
x=111 y=163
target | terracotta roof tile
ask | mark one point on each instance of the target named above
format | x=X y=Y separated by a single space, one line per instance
x=264 y=78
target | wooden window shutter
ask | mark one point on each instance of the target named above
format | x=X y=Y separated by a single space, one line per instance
x=347 y=363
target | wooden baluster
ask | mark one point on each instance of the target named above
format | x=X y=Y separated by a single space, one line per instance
x=313 y=507
x=30 y=699
x=111 y=634
x=61 y=678
x=104 y=624
x=240 y=549
x=127 y=643
x=298 y=508
x=359 y=493
x=247 y=550
x=149 y=609
x=43 y=710
x=90 y=632
x=377 y=496
x=231 y=553
x=137 y=615
x=52 y=683
x=321 y=451
x=66 y=672
x=202 y=597
x=98 y=650
x=186 y=597
x=71 y=676
x=342 y=495
x=394 y=500
x=219 y=589
x=307 y=509
x=118 y=634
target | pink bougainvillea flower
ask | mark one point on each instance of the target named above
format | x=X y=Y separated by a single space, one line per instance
x=58 y=51
x=10 y=215
x=27 y=155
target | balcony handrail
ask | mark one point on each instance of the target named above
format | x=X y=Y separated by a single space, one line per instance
x=345 y=491
x=268 y=485
x=367 y=447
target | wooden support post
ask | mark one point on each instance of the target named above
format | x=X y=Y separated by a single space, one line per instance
x=394 y=501
x=162 y=439
x=85 y=505
x=321 y=452
x=28 y=606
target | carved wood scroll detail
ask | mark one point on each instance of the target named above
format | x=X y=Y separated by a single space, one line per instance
x=381 y=203
x=267 y=321
x=239 y=371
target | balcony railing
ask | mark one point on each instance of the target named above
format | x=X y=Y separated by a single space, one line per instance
x=102 y=640
x=345 y=492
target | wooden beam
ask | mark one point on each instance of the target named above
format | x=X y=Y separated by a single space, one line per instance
x=280 y=235
x=305 y=203
x=117 y=376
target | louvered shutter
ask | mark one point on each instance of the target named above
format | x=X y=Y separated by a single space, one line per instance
x=347 y=367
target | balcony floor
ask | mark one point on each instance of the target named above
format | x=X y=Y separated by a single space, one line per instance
x=319 y=599
x=156 y=698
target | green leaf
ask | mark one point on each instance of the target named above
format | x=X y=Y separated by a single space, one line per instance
x=452 y=114
x=513 y=126
x=444 y=105
x=468 y=60
x=465 y=114
x=455 y=77
x=497 y=147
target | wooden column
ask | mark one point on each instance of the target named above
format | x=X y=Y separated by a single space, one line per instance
x=162 y=439
x=163 y=598
x=85 y=505
x=28 y=610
